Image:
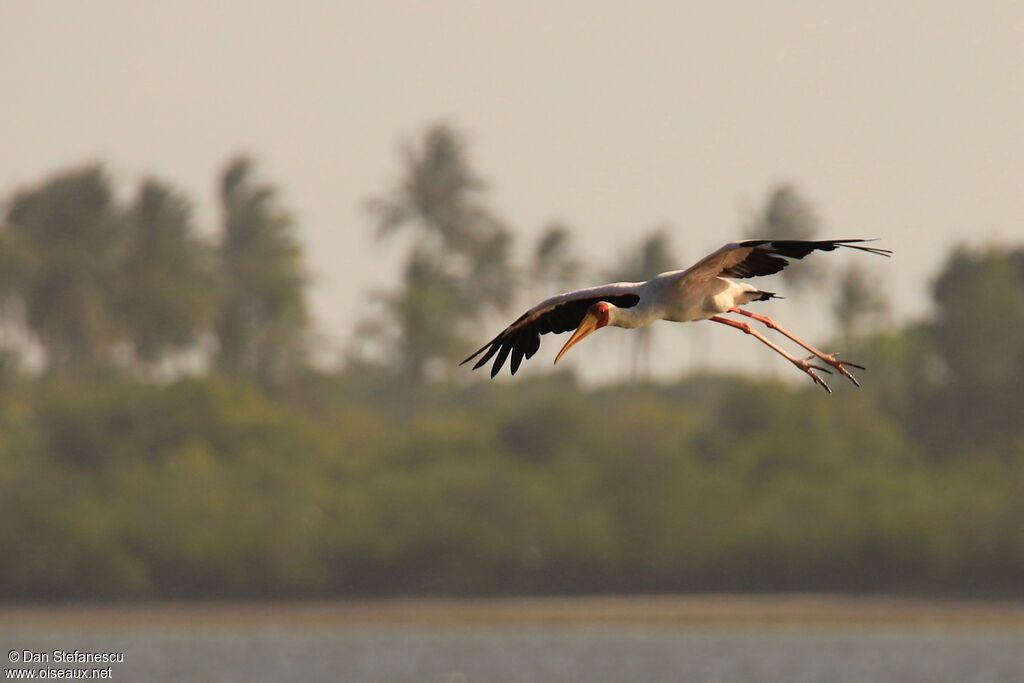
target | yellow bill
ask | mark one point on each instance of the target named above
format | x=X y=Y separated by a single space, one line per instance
x=587 y=325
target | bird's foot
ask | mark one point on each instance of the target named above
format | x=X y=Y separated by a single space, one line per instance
x=840 y=365
x=807 y=367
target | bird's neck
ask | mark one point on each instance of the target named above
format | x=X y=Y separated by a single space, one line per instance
x=628 y=318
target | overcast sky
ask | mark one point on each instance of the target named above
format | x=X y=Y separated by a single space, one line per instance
x=903 y=121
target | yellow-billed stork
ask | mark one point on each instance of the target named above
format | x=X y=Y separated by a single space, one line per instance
x=702 y=292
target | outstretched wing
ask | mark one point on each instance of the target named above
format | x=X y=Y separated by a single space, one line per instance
x=751 y=258
x=562 y=313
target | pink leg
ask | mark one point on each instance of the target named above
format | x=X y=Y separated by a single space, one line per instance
x=799 y=362
x=829 y=358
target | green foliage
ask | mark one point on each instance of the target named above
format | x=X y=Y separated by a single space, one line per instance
x=88 y=277
x=116 y=485
x=123 y=489
x=439 y=194
x=979 y=326
x=459 y=266
x=977 y=337
x=263 y=322
x=206 y=487
x=167 y=294
x=67 y=236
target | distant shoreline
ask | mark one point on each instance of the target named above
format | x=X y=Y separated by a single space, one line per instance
x=779 y=611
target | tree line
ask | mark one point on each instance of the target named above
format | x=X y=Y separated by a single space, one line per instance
x=94 y=282
x=163 y=431
x=91 y=281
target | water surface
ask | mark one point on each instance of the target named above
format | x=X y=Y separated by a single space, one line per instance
x=542 y=654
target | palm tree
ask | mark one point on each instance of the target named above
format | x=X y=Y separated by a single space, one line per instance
x=429 y=294
x=262 y=324
x=438 y=194
x=68 y=235
x=460 y=254
x=653 y=254
x=165 y=298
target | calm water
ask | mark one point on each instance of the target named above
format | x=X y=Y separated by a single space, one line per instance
x=577 y=655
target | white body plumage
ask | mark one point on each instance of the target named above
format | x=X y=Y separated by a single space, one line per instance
x=704 y=291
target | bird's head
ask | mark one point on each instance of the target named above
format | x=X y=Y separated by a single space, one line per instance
x=598 y=315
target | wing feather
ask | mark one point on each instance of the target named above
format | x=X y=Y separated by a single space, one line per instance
x=753 y=258
x=506 y=346
x=562 y=313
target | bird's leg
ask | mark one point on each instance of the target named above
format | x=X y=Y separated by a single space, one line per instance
x=801 y=363
x=830 y=358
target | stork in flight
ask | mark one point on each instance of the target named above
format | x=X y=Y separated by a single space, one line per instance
x=702 y=292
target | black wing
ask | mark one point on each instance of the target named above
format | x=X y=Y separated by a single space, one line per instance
x=751 y=258
x=559 y=314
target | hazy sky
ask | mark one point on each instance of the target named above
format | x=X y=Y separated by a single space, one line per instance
x=903 y=121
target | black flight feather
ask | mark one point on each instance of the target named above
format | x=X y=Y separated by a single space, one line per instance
x=521 y=339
